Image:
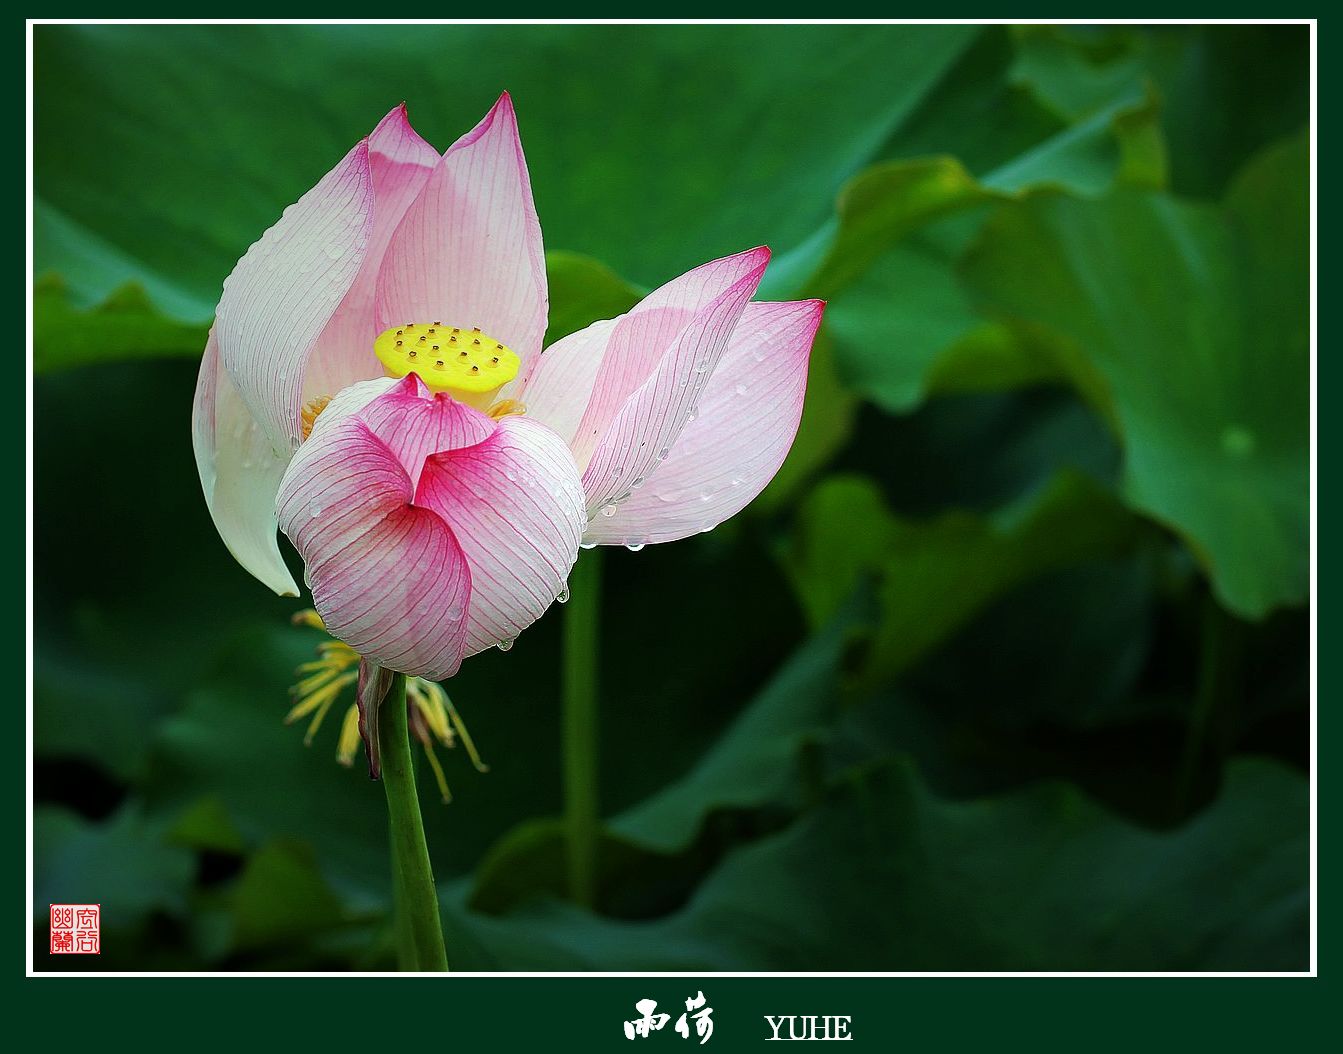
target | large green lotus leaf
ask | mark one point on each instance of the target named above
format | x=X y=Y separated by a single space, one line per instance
x=1211 y=124
x=1075 y=72
x=887 y=876
x=978 y=451
x=582 y=290
x=933 y=576
x=903 y=327
x=1227 y=92
x=901 y=324
x=1197 y=319
x=126 y=326
x=281 y=897
x=124 y=862
x=172 y=148
x=755 y=764
x=755 y=761
x=984 y=137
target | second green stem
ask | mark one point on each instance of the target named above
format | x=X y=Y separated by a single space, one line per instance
x=581 y=821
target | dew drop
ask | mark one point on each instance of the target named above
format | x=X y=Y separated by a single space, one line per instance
x=587 y=545
x=741 y=389
x=505 y=644
x=609 y=510
x=314 y=510
x=562 y=597
x=634 y=547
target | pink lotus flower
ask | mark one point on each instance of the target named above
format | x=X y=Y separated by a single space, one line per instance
x=374 y=384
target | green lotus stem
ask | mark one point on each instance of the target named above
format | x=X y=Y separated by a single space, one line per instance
x=419 y=931
x=581 y=823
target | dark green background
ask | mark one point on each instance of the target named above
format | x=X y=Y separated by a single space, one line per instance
x=1007 y=671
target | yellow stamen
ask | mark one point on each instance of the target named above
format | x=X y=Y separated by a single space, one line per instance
x=320 y=699
x=504 y=407
x=435 y=717
x=308 y=617
x=325 y=679
x=308 y=417
x=439 y=778
x=480 y=366
x=348 y=743
x=460 y=726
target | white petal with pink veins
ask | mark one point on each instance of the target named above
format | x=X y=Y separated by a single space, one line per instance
x=285 y=290
x=469 y=252
x=748 y=416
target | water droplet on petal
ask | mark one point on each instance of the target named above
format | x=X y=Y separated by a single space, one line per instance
x=609 y=510
x=741 y=389
x=314 y=510
x=506 y=643
x=634 y=547
x=562 y=597
x=587 y=545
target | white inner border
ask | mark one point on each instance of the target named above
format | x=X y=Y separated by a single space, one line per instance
x=1314 y=586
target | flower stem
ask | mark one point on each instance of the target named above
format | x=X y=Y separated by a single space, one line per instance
x=580 y=725
x=418 y=929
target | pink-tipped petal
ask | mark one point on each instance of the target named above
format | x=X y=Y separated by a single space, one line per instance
x=400 y=162
x=415 y=422
x=516 y=505
x=284 y=291
x=558 y=386
x=395 y=142
x=468 y=252
x=240 y=473
x=639 y=341
x=640 y=435
x=387 y=577
x=748 y=416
